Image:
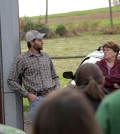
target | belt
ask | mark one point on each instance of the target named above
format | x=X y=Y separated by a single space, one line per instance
x=43 y=93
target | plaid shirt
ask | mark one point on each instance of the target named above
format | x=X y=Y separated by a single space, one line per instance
x=36 y=72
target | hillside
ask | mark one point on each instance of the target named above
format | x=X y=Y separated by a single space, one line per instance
x=86 y=17
x=79 y=16
x=96 y=20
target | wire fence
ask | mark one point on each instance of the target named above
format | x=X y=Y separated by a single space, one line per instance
x=68 y=57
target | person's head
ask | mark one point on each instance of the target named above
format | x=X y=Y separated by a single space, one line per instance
x=89 y=77
x=34 y=39
x=65 y=112
x=110 y=50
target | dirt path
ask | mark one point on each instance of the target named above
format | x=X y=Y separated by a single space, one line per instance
x=83 y=17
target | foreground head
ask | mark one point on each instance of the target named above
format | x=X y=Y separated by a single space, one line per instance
x=110 y=49
x=87 y=72
x=89 y=76
x=34 y=37
x=65 y=112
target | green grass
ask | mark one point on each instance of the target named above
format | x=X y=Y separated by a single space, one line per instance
x=25 y=104
x=101 y=23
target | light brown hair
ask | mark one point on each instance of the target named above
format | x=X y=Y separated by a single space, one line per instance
x=110 y=44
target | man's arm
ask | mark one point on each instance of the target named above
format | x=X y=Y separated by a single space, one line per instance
x=15 y=77
x=54 y=75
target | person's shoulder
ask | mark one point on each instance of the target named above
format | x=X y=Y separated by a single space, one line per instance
x=118 y=61
x=24 y=54
x=21 y=56
x=113 y=97
x=110 y=105
x=45 y=54
x=100 y=62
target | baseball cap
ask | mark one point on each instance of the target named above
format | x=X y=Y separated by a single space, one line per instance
x=33 y=34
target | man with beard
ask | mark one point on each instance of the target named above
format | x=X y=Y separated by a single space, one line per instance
x=35 y=69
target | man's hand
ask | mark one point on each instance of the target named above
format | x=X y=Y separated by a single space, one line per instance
x=31 y=97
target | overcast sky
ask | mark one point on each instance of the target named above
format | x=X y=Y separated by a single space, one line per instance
x=38 y=7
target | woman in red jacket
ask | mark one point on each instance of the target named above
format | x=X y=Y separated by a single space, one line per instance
x=110 y=66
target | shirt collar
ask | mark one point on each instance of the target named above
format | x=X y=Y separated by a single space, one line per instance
x=31 y=54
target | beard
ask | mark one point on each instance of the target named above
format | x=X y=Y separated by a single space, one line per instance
x=38 y=47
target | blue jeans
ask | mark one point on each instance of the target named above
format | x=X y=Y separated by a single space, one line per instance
x=35 y=104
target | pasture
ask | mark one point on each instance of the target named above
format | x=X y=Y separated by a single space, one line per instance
x=72 y=46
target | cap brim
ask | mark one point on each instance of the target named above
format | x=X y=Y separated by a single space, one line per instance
x=40 y=35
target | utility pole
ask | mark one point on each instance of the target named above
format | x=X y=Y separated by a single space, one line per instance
x=11 y=104
x=110 y=11
x=46 y=16
x=1 y=91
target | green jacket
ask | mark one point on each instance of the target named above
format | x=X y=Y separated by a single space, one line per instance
x=108 y=114
x=4 y=129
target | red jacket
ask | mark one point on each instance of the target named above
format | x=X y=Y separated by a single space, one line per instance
x=113 y=77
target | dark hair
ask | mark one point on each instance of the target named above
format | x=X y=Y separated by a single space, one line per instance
x=65 y=112
x=29 y=44
x=110 y=44
x=89 y=78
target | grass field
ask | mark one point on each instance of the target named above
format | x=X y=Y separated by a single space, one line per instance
x=73 y=46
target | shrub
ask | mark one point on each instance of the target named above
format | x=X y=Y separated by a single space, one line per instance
x=45 y=29
x=26 y=24
x=94 y=26
x=61 y=30
x=85 y=27
x=111 y=30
